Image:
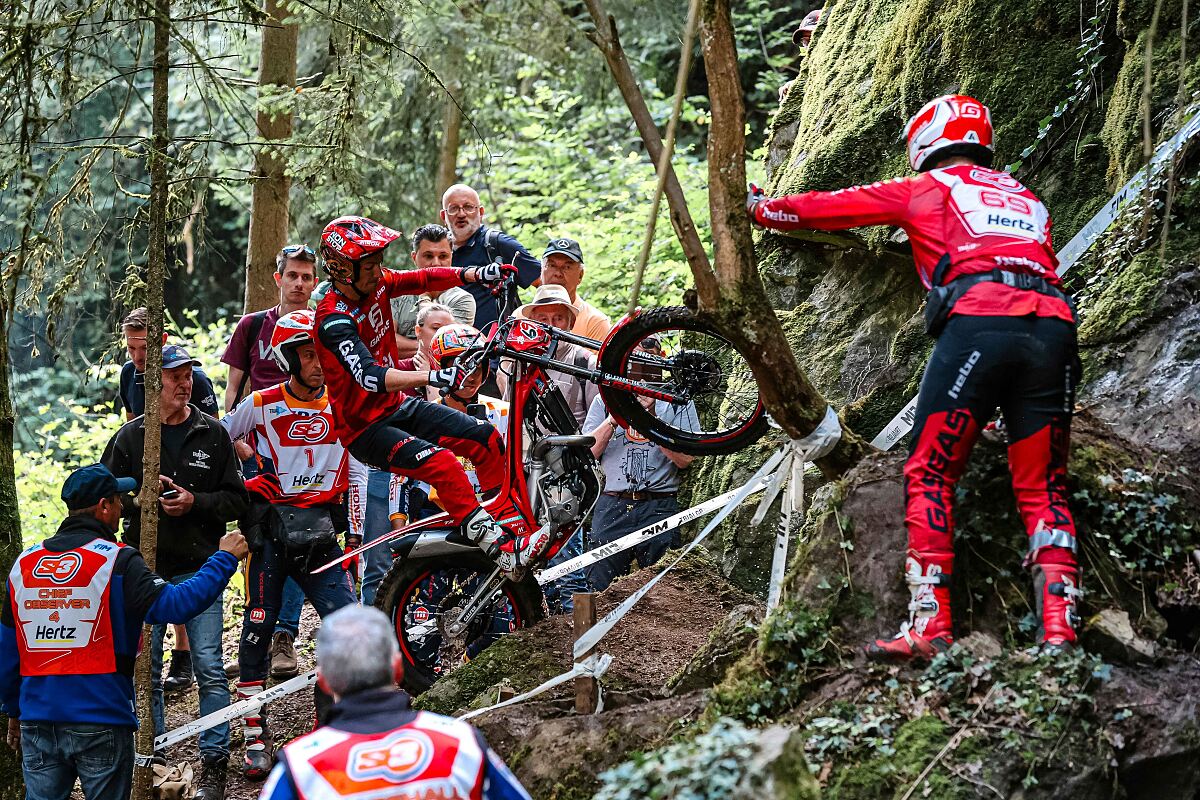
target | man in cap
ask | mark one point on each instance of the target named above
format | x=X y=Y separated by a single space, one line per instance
x=802 y=37
x=202 y=490
x=69 y=634
x=562 y=263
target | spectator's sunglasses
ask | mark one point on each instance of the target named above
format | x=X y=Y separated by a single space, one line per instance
x=301 y=251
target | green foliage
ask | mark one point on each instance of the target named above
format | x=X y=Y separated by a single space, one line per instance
x=1141 y=523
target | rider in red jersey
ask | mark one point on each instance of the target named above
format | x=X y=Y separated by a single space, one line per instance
x=1005 y=337
x=381 y=426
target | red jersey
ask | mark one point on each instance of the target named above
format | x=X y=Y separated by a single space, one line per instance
x=356 y=343
x=980 y=218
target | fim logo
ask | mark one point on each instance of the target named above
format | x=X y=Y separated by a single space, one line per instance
x=399 y=758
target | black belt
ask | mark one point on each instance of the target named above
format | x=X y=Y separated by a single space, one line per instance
x=1017 y=280
x=640 y=495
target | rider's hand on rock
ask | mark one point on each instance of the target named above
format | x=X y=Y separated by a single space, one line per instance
x=448 y=378
x=754 y=196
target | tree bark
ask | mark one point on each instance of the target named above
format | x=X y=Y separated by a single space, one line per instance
x=732 y=297
x=156 y=256
x=451 y=134
x=269 y=201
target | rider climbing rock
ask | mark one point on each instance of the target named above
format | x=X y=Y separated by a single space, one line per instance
x=382 y=427
x=1005 y=337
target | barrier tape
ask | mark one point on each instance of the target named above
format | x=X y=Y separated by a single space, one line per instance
x=793 y=501
x=902 y=423
x=592 y=637
x=234 y=711
x=593 y=666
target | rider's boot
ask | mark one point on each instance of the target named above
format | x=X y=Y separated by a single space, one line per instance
x=259 y=757
x=928 y=630
x=511 y=553
x=1056 y=588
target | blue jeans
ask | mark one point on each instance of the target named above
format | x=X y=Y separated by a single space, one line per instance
x=375 y=524
x=54 y=754
x=613 y=518
x=290 y=608
x=204 y=633
x=559 y=593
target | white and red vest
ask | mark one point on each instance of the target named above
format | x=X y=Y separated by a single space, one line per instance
x=430 y=757
x=60 y=602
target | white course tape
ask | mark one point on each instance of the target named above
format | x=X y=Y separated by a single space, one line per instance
x=902 y=423
x=590 y=639
x=634 y=539
x=793 y=502
x=238 y=709
x=591 y=667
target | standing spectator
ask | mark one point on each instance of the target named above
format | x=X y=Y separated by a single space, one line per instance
x=132 y=393
x=251 y=369
x=132 y=399
x=411 y=753
x=552 y=306
x=802 y=37
x=641 y=481
x=202 y=490
x=298 y=509
x=430 y=248
x=66 y=671
x=562 y=263
x=476 y=245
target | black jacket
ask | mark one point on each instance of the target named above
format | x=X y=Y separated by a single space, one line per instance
x=207 y=467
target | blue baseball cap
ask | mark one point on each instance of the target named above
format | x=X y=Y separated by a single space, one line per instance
x=87 y=486
x=175 y=356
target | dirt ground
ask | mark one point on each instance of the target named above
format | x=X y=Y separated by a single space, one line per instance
x=648 y=647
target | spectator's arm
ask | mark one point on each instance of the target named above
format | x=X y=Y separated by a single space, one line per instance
x=529 y=269
x=598 y=424
x=229 y=500
x=339 y=334
x=279 y=784
x=180 y=602
x=591 y=390
x=10 y=660
x=231 y=387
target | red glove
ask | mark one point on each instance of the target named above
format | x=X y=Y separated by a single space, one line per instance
x=351 y=566
x=265 y=485
x=753 y=197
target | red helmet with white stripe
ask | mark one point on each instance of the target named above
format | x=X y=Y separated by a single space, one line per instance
x=348 y=240
x=451 y=341
x=291 y=331
x=951 y=125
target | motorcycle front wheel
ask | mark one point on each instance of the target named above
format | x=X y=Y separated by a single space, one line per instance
x=670 y=350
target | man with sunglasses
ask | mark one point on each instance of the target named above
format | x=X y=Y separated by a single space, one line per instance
x=251 y=369
x=476 y=245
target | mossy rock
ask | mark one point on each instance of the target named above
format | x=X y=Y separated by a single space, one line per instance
x=510 y=660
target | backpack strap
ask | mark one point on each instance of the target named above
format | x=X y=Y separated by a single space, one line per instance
x=256 y=324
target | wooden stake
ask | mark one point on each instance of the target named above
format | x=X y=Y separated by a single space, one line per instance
x=587 y=691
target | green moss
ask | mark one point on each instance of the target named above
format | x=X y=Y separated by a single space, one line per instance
x=916 y=744
x=472 y=685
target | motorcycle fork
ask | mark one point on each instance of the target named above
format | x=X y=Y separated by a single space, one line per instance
x=483 y=598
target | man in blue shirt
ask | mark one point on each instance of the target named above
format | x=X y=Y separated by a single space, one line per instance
x=475 y=245
x=69 y=632
x=131 y=397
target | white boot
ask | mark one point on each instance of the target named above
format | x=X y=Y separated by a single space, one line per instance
x=496 y=543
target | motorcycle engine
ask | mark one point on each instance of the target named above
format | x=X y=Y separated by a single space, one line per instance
x=569 y=485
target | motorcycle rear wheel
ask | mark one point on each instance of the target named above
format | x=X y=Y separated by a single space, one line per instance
x=696 y=361
x=417 y=593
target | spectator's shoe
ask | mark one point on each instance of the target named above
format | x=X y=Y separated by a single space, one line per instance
x=213 y=771
x=259 y=745
x=283 y=655
x=179 y=676
x=233 y=668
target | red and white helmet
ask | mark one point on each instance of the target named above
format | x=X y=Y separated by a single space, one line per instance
x=451 y=341
x=291 y=331
x=951 y=125
x=348 y=240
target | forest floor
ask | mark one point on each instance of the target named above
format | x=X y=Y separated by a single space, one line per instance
x=649 y=646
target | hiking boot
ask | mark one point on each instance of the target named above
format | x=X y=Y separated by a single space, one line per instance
x=259 y=758
x=283 y=655
x=511 y=553
x=179 y=676
x=213 y=772
x=233 y=668
x=1056 y=588
x=928 y=630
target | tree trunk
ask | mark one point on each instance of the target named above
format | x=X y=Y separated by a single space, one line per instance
x=732 y=297
x=451 y=130
x=156 y=256
x=10 y=531
x=269 y=202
